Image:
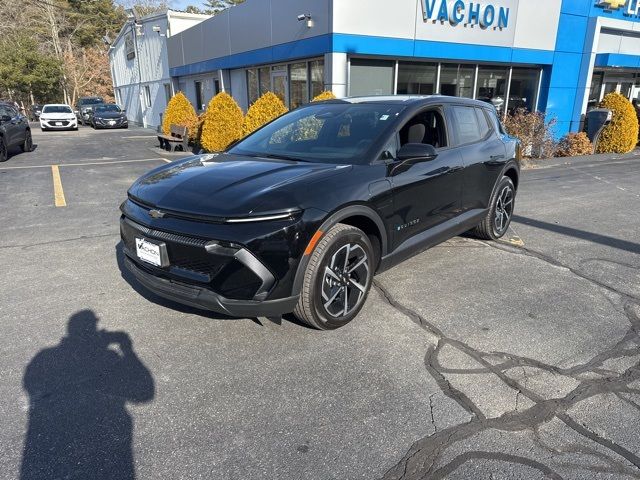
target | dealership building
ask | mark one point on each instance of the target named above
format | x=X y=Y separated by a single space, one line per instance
x=556 y=56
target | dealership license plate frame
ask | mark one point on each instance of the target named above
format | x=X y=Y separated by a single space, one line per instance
x=154 y=253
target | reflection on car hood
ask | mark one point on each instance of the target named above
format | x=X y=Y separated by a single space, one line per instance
x=109 y=115
x=228 y=185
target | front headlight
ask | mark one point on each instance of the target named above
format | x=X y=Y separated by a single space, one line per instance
x=289 y=215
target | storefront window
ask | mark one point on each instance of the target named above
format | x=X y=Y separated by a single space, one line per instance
x=524 y=88
x=492 y=86
x=417 y=78
x=371 y=77
x=265 y=80
x=317 y=77
x=299 y=90
x=457 y=80
x=252 y=85
x=596 y=89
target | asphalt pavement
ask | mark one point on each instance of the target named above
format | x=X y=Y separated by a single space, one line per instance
x=515 y=359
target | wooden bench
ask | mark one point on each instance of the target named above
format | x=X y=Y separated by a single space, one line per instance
x=178 y=137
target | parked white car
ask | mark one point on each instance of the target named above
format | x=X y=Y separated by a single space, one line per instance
x=58 y=116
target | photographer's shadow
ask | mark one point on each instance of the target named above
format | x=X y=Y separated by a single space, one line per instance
x=79 y=426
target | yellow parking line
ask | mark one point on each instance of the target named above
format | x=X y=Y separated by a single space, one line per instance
x=58 y=192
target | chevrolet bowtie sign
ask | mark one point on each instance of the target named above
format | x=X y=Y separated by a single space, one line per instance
x=632 y=6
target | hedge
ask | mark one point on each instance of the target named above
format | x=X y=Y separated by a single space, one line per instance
x=621 y=135
x=265 y=109
x=180 y=112
x=222 y=123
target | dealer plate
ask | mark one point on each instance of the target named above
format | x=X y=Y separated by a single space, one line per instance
x=149 y=252
x=59 y=123
x=112 y=122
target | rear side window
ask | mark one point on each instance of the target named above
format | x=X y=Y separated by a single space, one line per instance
x=466 y=124
x=485 y=128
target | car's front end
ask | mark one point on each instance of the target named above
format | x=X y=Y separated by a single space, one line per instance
x=239 y=257
x=110 y=120
x=58 y=120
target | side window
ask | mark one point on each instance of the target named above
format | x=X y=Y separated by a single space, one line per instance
x=466 y=124
x=10 y=111
x=426 y=127
x=483 y=123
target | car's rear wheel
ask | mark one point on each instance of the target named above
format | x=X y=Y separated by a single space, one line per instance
x=498 y=219
x=3 y=151
x=27 y=145
x=338 y=278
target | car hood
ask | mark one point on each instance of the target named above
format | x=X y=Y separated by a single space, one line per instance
x=57 y=116
x=228 y=185
x=109 y=115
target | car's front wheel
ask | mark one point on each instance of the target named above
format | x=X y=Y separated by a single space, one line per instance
x=27 y=145
x=338 y=278
x=498 y=218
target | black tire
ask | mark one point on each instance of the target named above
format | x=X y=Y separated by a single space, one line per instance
x=27 y=145
x=494 y=226
x=341 y=241
x=3 y=151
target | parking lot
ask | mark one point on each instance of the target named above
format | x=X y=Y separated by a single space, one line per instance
x=518 y=359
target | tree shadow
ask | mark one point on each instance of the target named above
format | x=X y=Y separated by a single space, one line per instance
x=79 y=426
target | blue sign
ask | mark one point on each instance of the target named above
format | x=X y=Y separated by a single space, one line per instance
x=471 y=13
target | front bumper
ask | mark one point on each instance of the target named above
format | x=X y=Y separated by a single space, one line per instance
x=203 y=298
x=53 y=124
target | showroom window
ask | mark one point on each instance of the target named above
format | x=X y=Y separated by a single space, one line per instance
x=371 y=77
x=252 y=85
x=457 y=80
x=417 y=78
x=265 y=80
x=492 y=86
x=298 y=87
x=316 y=68
x=524 y=88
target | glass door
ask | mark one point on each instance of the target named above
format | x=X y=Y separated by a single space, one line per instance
x=280 y=84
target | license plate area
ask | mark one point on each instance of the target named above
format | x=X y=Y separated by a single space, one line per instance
x=59 y=124
x=152 y=252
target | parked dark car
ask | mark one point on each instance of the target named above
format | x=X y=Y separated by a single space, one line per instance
x=299 y=216
x=34 y=112
x=14 y=131
x=84 y=108
x=109 y=115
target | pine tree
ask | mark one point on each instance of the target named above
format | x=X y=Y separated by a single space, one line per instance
x=213 y=7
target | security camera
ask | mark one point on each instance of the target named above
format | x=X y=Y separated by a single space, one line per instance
x=303 y=17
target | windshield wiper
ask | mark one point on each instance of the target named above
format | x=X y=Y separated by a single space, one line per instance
x=278 y=156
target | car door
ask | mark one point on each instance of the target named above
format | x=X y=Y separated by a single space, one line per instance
x=428 y=193
x=483 y=154
x=12 y=125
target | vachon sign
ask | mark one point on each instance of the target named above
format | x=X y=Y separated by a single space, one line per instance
x=467 y=13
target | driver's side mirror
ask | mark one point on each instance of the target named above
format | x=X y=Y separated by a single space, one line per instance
x=417 y=151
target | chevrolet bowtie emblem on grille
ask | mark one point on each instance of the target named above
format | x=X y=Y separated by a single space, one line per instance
x=612 y=4
x=156 y=213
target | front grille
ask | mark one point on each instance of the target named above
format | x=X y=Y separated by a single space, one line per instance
x=58 y=123
x=191 y=263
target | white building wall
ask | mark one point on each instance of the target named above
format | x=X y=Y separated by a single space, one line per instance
x=149 y=68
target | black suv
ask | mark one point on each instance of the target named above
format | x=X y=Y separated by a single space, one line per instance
x=14 y=131
x=84 y=108
x=299 y=216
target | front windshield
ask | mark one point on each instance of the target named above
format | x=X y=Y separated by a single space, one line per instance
x=57 y=109
x=91 y=101
x=108 y=108
x=324 y=133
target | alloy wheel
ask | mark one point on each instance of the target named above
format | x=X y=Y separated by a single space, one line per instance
x=345 y=280
x=504 y=209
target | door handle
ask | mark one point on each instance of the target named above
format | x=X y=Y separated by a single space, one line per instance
x=496 y=157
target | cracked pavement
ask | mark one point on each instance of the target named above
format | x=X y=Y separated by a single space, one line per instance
x=472 y=360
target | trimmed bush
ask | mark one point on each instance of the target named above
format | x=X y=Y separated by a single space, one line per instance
x=180 y=112
x=222 y=123
x=265 y=109
x=621 y=135
x=574 y=144
x=326 y=95
x=533 y=131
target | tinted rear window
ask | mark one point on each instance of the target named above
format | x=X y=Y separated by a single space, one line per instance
x=466 y=124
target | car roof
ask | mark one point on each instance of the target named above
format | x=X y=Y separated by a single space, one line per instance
x=413 y=100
